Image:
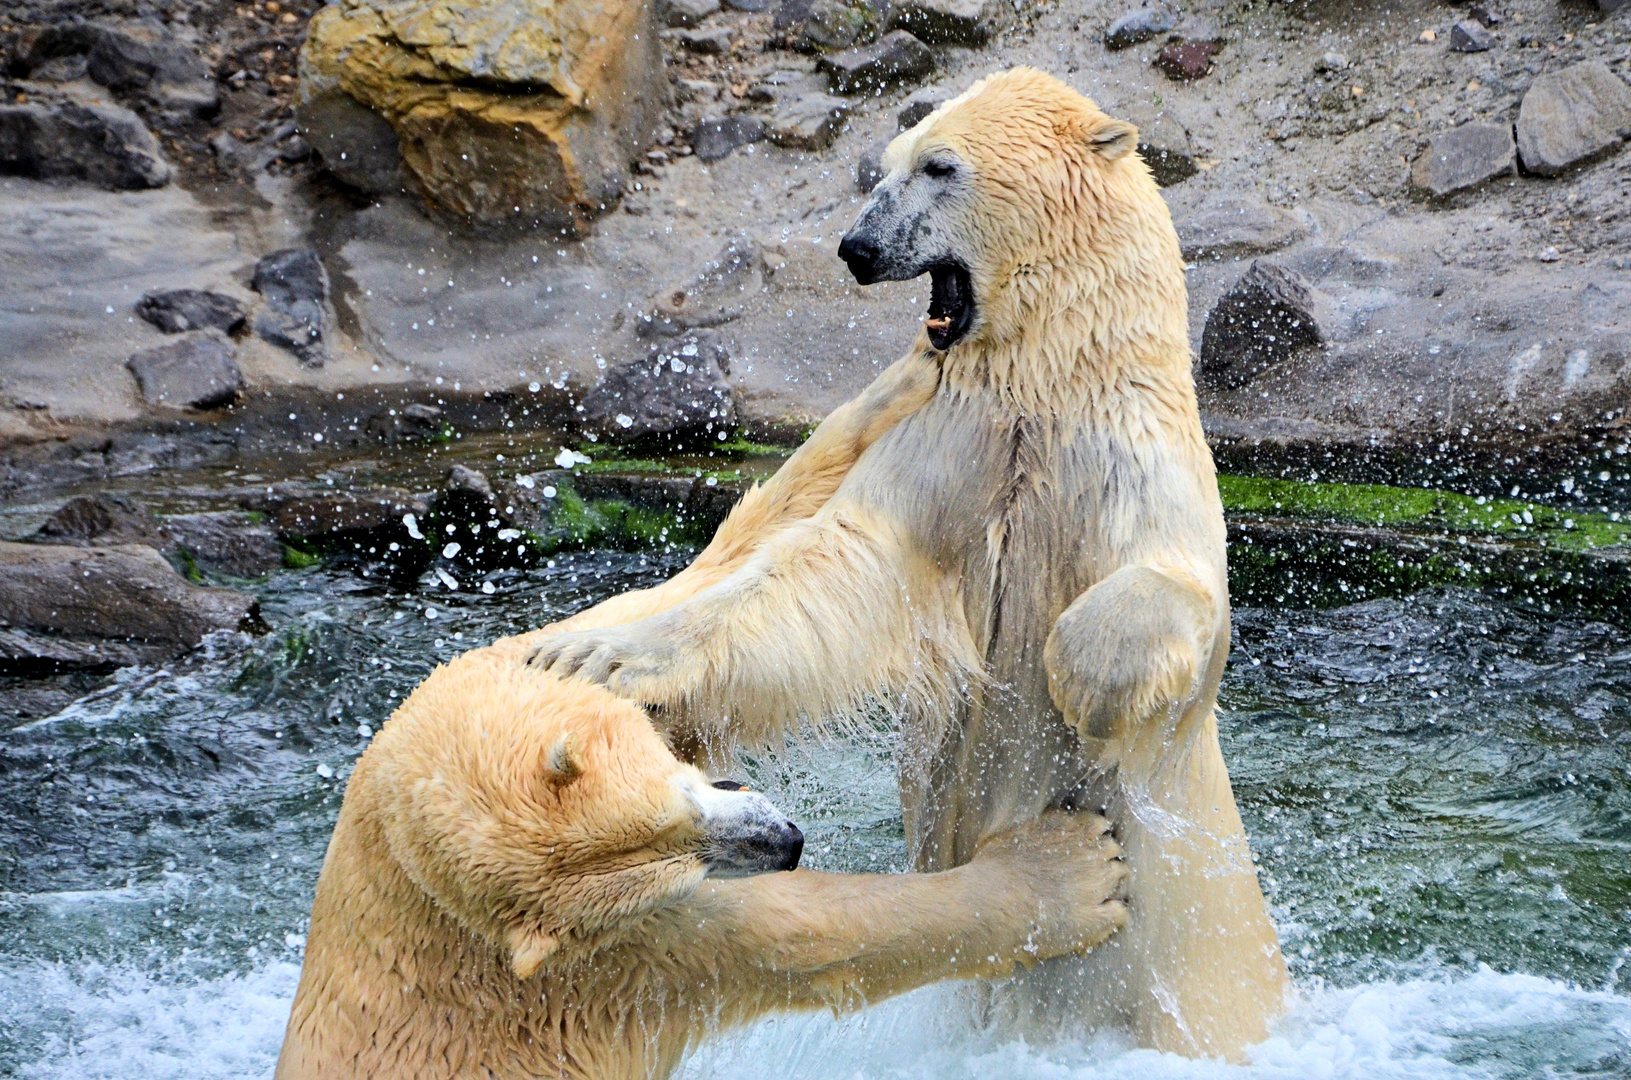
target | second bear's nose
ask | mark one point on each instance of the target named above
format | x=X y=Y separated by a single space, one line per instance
x=860 y=254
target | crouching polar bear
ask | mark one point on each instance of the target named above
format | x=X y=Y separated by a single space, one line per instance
x=1033 y=562
x=525 y=882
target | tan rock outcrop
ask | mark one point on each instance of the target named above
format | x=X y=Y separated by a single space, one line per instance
x=507 y=113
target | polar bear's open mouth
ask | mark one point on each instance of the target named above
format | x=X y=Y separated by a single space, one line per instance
x=951 y=304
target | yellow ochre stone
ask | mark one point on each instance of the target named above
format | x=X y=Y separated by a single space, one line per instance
x=506 y=113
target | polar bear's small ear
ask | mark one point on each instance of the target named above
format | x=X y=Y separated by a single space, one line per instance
x=561 y=763
x=1113 y=139
x=529 y=949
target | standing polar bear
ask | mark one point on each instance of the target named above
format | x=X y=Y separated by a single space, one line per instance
x=1032 y=564
x=525 y=882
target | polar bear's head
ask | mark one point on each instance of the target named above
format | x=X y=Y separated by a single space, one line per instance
x=541 y=812
x=999 y=193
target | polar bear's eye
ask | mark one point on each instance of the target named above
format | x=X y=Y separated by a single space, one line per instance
x=938 y=168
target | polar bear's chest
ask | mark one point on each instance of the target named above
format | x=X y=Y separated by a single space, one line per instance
x=989 y=495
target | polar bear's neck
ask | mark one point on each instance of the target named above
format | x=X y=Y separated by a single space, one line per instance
x=1087 y=326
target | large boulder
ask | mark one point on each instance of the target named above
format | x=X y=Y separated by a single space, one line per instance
x=106 y=145
x=60 y=603
x=1569 y=117
x=507 y=113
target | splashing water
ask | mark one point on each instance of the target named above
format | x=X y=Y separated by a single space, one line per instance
x=1438 y=791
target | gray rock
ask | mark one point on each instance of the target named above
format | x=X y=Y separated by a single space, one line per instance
x=197 y=371
x=61 y=140
x=409 y=424
x=295 y=286
x=176 y=311
x=715 y=296
x=688 y=13
x=357 y=145
x=790 y=13
x=869 y=170
x=1570 y=116
x=748 y=5
x=123 y=593
x=714 y=42
x=1606 y=6
x=919 y=105
x=1163 y=143
x=676 y=395
x=467 y=496
x=970 y=23
x=101 y=519
x=835 y=24
x=338 y=517
x=811 y=122
x=895 y=57
x=227 y=541
x=1269 y=315
x=713 y=139
x=1469 y=35
x=138 y=57
x=1465 y=157
x=1246 y=227
x=1330 y=62
x=121 y=62
x=1138 y=25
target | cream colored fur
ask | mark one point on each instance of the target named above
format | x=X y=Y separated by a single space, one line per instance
x=516 y=887
x=1042 y=546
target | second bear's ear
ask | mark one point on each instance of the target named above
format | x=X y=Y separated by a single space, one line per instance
x=1113 y=139
x=561 y=763
x=529 y=949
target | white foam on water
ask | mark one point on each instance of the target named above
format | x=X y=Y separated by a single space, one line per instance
x=88 y=1022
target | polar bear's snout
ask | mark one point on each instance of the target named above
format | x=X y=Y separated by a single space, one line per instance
x=745 y=833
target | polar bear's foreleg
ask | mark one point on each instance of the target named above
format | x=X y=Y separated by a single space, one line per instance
x=825 y=615
x=840 y=941
x=800 y=488
x=1134 y=665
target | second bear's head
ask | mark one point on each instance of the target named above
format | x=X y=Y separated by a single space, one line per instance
x=1022 y=201
x=545 y=814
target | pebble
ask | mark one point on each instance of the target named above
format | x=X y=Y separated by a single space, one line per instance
x=1469 y=35
x=1185 y=61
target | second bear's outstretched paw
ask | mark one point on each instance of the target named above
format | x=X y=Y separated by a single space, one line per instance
x=628 y=662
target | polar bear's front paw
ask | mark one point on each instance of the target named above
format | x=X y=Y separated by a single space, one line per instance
x=626 y=661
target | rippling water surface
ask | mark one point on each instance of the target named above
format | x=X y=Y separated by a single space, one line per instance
x=1439 y=790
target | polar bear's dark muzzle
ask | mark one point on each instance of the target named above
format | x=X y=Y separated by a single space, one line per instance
x=746 y=834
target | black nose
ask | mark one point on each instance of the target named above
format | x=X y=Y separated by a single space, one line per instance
x=793 y=845
x=861 y=256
